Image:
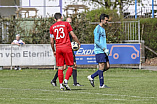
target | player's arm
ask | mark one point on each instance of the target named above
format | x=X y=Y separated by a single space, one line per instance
x=52 y=44
x=72 y=34
x=52 y=41
x=74 y=37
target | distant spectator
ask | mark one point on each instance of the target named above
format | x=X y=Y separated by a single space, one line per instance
x=18 y=42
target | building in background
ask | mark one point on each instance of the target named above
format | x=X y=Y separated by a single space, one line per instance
x=5 y=10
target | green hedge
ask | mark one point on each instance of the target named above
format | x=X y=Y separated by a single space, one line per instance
x=39 y=31
x=149 y=35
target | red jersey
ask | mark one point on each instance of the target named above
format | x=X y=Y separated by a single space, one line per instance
x=60 y=30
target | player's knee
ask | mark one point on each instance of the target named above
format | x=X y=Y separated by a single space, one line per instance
x=106 y=68
x=71 y=66
x=64 y=67
x=101 y=66
x=75 y=66
x=61 y=68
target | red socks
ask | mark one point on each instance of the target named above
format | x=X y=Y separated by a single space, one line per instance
x=67 y=76
x=60 y=75
x=68 y=73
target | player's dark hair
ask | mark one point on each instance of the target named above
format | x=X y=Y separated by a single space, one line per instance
x=102 y=16
x=57 y=16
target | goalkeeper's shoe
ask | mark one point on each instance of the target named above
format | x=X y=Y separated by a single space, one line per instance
x=53 y=83
x=77 y=84
x=91 y=80
x=104 y=86
x=66 y=86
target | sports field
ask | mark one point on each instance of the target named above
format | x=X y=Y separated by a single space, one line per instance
x=33 y=86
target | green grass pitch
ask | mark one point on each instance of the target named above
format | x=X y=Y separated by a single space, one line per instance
x=32 y=86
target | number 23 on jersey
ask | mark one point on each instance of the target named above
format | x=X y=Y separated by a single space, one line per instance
x=59 y=33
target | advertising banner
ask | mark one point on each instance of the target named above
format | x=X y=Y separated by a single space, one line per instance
x=41 y=54
x=119 y=54
x=26 y=55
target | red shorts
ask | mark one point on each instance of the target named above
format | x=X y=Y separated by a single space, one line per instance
x=64 y=55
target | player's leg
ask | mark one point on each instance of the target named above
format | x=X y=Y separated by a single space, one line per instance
x=68 y=55
x=67 y=76
x=75 y=83
x=107 y=64
x=74 y=71
x=74 y=74
x=60 y=64
x=53 y=81
x=100 y=73
x=64 y=67
x=61 y=77
x=106 y=67
x=99 y=60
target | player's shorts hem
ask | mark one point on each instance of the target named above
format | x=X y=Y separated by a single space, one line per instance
x=101 y=58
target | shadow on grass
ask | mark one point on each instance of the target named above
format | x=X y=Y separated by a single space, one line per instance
x=78 y=89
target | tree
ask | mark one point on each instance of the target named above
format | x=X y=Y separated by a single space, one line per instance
x=111 y=4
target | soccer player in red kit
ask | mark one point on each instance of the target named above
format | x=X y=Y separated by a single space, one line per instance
x=60 y=32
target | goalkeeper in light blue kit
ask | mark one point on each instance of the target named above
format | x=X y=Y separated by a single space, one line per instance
x=101 y=51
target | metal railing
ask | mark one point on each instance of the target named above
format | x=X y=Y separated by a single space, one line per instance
x=131 y=30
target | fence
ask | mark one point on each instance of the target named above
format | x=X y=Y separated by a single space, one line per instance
x=131 y=31
x=32 y=31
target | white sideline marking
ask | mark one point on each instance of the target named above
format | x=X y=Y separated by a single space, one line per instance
x=83 y=93
x=60 y=99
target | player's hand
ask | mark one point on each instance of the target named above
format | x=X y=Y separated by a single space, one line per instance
x=54 y=54
x=18 y=44
x=106 y=51
x=79 y=46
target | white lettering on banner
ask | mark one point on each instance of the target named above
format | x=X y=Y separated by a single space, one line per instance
x=91 y=61
x=24 y=55
x=36 y=54
x=91 y=58
x=82 y=51
x=27 y=54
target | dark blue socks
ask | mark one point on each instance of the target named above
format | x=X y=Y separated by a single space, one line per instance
x=101 y=77
x=95 y=74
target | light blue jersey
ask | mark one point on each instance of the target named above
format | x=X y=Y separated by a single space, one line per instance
x=99 y=39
